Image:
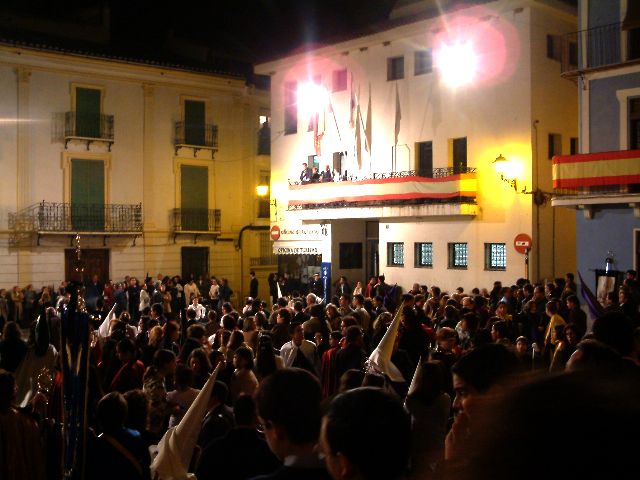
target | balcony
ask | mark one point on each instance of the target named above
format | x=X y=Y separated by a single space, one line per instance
x=591 y=179
x=599 y=48
x=196 y=222
x=196 y=136
x=88 y=127
x=443 y=192
x=49 y=218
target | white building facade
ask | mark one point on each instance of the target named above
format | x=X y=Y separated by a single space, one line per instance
x=156 y=166
x=410 y=121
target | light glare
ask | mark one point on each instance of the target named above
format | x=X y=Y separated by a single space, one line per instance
x=312 y=99
x=457 y=63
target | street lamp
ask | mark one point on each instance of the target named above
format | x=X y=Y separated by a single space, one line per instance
x=262 y=190
x=509 y=171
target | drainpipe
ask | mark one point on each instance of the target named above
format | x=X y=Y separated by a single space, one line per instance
x=239 y=248
x=537 y=182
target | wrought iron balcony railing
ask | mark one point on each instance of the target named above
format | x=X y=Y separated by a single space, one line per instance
x=89 y=127
x=456 y=185
x=50 y=218
x=202 y=136
x=263 y=261
x=432 y=173
x=196 y=220
x=598 y=47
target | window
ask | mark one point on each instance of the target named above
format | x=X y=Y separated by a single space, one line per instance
x=290 y=108
x=424 y=255
x=339 y=80
x=458 y=255
x=395 y=254
x=313 y=161
x=395 y=68
x=264 y=210
x=264 y=136
x=350 y=255
x=555 y=145
x=88 y=105
x=424 y=151
x=573 y=146
x=634 y=123
x=495 y=256
x=554 y=47
x=459 y=155
x=423 y=62
x=194 y=122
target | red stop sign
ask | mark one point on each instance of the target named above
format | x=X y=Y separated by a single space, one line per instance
x=522 y=243
x=275 y=232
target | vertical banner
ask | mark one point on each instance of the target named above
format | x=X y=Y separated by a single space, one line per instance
x=326 y=280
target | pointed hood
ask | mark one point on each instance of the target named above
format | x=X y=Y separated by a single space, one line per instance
x=380 y=358
x=416 y=381
x=176 y=447
x=103 y=330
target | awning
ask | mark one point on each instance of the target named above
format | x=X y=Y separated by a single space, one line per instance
x=297 y=247
x=596 y=169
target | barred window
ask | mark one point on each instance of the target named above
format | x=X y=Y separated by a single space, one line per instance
x=458 y=255
x=395 y=254
x=495 y=256
x=424 y=254
x=395 y=68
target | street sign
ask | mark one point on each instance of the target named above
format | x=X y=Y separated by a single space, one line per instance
x=522 y=243
x=275 y=233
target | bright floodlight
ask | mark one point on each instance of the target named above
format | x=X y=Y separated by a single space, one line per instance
x=312 y=99
x=457 y=63
x=262 y=190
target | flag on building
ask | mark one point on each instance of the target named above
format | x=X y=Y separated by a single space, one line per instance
x=358 y=137
x=318 y=131
x=352 y=107
x=367 y=128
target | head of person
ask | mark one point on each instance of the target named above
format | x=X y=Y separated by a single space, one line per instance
x=499 y=330
x=477 y=372
x=7 y=390
x=165 y=362
x=284 y=316
x=522 y=345
x=126 y=350
x=137 y=410
x=288 y=404
x=219 y=394
x=350 y=379
x=334 y=338
x=296 y=333
x=615 y=330
x=243 y=359
x=199 y=361
x=112 y=412
x=349 y=431
x=244 y=412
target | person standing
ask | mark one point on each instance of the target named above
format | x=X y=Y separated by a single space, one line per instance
x=253 y=285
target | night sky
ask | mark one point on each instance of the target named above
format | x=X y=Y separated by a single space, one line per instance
x=248 y=31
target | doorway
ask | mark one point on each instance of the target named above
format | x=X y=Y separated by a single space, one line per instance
x=372 y=255
x=96 y=262
x=195 y=262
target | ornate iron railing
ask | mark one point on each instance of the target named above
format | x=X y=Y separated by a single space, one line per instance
x=597 y=47
x=51 y=217
x=89 y=126
x=196 y=135
x=199 y=220
x=433 y=173
x=263 y=261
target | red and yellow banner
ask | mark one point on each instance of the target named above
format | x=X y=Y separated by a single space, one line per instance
x=595 y=169
x=385 y=189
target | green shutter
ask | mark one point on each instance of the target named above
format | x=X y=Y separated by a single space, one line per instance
x=87 y=195
x=194 y=187
x=88 y=112
x=194 y=119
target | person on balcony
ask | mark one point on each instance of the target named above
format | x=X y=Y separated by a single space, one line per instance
x=327 y=175
x=305 y=174
x=315 y=176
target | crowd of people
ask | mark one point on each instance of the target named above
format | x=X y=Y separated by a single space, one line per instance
x=379 y=383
